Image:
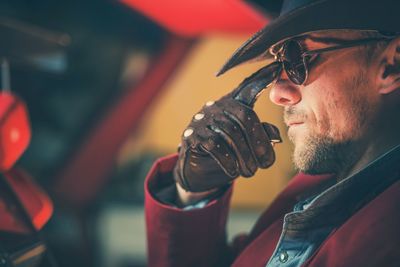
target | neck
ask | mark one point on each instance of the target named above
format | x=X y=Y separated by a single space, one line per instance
x=371 y=153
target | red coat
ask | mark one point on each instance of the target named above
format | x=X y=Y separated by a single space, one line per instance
x=370 y=237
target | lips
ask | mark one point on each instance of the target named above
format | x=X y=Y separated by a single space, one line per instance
x=294 y=123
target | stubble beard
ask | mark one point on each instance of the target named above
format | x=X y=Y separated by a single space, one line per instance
x=320 y=155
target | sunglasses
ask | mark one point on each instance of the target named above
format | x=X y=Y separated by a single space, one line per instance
x=292 y=58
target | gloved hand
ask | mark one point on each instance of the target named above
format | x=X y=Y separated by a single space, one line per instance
x=226 y=139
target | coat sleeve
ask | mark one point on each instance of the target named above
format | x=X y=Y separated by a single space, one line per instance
x=183 y=238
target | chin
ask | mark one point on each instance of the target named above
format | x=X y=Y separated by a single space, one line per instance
x=320 y=155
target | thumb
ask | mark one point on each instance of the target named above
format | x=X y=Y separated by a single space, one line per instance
x=272 y=132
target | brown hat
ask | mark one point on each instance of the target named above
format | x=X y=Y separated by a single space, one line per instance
x=303 y=16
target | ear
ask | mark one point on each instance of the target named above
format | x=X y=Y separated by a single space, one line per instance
x=389 y=68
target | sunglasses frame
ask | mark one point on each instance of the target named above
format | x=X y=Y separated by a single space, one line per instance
x=279 y=55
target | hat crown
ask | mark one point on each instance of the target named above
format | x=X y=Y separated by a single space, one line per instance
x=290 y=5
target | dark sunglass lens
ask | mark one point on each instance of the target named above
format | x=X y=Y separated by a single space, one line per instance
x=296 y=72
x=293 y=62
x=292 y=51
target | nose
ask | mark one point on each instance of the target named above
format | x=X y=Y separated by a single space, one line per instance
x=284 y=92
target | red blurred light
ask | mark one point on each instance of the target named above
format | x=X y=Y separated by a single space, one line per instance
x=191 y=18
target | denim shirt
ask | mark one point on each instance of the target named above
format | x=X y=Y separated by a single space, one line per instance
x=313 y=219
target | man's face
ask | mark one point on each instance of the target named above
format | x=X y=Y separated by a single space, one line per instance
x=329 y=117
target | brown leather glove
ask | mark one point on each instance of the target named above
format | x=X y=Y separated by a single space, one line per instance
x=225 y=140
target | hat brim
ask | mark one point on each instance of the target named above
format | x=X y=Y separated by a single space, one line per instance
x=317 y=16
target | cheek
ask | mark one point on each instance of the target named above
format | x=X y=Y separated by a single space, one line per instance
x=332 y=114
x=323 y=106
x=347 y=110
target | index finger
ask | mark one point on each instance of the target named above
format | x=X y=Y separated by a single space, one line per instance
x=249 y=90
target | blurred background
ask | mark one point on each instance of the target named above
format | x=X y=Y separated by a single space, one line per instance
x=110 y=86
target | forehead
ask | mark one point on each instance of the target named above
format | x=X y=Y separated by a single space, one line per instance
x=335 y=36
x=340 y=34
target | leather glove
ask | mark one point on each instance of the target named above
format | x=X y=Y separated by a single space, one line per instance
x=225 y=140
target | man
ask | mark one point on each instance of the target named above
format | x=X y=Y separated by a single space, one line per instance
x=336 y=73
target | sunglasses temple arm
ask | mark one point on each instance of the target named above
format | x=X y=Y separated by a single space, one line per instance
x=249 y=90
